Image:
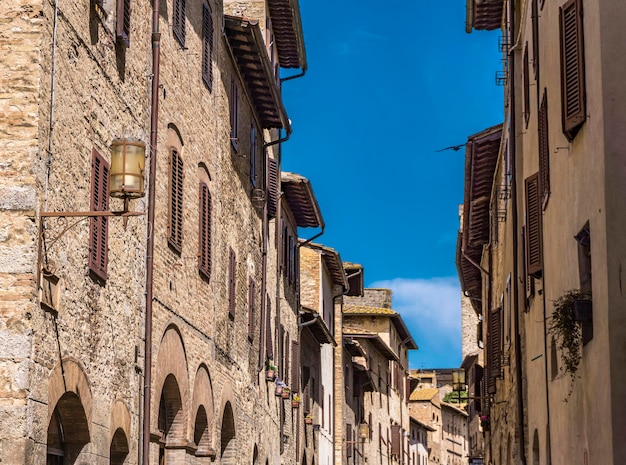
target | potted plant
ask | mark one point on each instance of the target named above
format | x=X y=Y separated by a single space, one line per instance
x=286 y=394
x=295 y=401
x=570 y=311
x=270 y=372
x=308 y=419
x=280 y=386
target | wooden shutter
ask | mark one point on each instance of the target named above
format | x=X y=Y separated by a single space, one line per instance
x=234 y=112
x=573 y=97
x=178 y=22
x=207 y=46
x=122 y=25
x=495 y=344
x=395 y=440
x=253 y=155
x=286 y=348
x=251 y=307
x=295 y=366
x=534 y=265
x=535 y=26
x=204 y=257
x=349 y=442
x=269 y=346
x=544 y=151
x=232 y=282
x=175 y=226
x=99 y=226
x=371 y=426
x=526 y=77
x=272 y=187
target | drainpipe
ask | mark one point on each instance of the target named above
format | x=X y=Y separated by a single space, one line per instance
x=154 y=121
x=515 y=227
x=295 y=76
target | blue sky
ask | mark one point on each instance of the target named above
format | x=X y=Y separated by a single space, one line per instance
x=388 y=84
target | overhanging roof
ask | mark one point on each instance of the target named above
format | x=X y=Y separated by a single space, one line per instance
x=374 y=339
x=421 y=424
x=483 y=14
x=315 y=324
x=301 y=200
x=287 y=28
x=363 y=310
x=248 y=49
x=333 y=263
x=481 y=157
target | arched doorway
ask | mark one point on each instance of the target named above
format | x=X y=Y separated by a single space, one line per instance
x=170 y=422
x=68 y=431
x=119 y=448
x=228 y=452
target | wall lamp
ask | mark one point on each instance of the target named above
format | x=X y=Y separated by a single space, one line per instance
x=126 y=181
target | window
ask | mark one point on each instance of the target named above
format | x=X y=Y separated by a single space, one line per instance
x=175 y=226
x=99 y=226
x=269 y=345
x=535 y=26
x=272 y=187
x=534 y=256
x=234 y=113
x=178 y=21
x=544 y=150
x=251 y=308
x=122 y=26
x=573 y=105
x=207 y=46
x=253 y=158
x=232 y=282
x=526 y=77
x=204 y=255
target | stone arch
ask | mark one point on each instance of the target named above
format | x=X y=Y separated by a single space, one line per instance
x=228 y=433
x=174 y=138
x=172 y=388
x=536 y=448
x=255 y=455
x=120 y=432
x=203 y=414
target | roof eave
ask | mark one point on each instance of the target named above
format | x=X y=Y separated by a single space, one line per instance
x=303 y=185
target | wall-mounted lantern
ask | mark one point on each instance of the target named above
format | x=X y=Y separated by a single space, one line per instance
x=364 y=431
x=128 y=159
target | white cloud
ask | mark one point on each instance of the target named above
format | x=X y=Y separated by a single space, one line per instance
x=431 y=309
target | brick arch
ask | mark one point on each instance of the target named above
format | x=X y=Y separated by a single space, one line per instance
x=227 y=427
x=174 y=138
x=171 y=366
x=69 y=376
x=203 y=413
x=119 y=432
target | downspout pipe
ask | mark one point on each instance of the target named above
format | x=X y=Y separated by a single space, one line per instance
x=515 y=227
x=295 y=76
x=154 y=121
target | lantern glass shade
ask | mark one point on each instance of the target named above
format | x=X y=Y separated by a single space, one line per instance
x=364 y=431
x=458 y=380
x=128 y=160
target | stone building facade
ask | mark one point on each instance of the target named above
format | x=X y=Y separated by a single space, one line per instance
x=555 y=232
x=77 y=76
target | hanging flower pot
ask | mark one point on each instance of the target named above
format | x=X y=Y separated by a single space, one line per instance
x=295 y=401
x=286 y=394
x=270 y=373
x=308 y=420
x=280 y=386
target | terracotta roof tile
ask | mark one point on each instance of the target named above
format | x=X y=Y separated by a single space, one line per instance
x=424 y=394
x=364 y=310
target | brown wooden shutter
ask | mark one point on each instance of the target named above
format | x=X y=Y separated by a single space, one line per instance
x=495 y=344
x=573 y=97
x=99 y=226
x=251 y=308
x=234 y=112
x=232 y=283
x=544 y=151
x=526 y=77
x=349 y=443
x=253 y=150
x=175 y=226
x=272 y=187
x=371 y=426
x=122 y=26
x=269 y=346
x=207 y=46
x=535 y=26
x=295 y=366
x=178 y=21
x=533 y=226
x=286 y=348
x=395 y=440
x=204 y=257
